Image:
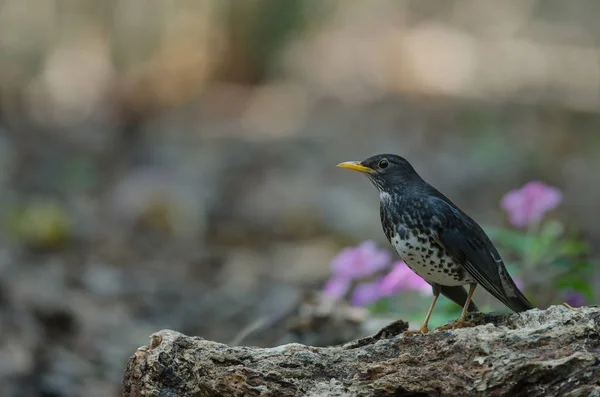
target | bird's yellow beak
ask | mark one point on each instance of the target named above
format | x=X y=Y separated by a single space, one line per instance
x=356 y=166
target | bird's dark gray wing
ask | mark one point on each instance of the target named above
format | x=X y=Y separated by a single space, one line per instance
x=468 y=244
x=458 y=294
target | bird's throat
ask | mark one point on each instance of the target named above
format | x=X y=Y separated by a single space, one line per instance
x=384 y=196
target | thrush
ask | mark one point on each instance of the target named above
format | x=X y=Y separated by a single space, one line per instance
x=436 y=239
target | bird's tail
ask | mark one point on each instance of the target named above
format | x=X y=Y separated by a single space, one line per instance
x=515 y=299
x=519 y=303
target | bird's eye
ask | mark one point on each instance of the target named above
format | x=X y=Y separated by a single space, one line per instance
x=383 y=164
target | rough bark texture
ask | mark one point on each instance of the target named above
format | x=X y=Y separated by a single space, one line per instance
x=554 y=352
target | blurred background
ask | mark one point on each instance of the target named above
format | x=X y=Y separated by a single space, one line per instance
x=171 y=164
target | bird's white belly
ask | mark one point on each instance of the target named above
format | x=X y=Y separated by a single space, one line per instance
x=429 y=261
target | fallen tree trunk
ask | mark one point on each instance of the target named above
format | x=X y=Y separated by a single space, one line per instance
x=554 y=352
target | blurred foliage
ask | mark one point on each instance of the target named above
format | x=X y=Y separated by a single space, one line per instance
x=549 y=261
x=40 y=224
x=258 y=31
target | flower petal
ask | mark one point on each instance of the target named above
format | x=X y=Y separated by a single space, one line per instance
x=360 y=261
x=395 y=281
x=417 y=283
x=336 y=287
x=366 y=293
x=530 y=203
x=575 y=299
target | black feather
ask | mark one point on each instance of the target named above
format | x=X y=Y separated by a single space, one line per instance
x=468 y=244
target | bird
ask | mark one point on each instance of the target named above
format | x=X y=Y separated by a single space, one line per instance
x=437 y=240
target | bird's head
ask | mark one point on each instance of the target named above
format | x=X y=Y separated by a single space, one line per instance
x=386 y=171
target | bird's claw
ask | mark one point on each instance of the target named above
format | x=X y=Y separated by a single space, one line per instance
x=421 y=331
x=456 y=325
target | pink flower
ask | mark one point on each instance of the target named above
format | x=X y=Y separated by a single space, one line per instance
x=575 y=299
x=401 y=278
x=336 y=287
x=360 y=261
x=366 y=293
x=529 y=204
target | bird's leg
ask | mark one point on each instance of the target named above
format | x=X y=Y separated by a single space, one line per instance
x=461 y=323
x=424 y=329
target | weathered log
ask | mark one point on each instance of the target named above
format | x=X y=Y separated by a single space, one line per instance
x=554 y=352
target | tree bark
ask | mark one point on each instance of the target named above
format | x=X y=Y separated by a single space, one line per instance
x=553 y=352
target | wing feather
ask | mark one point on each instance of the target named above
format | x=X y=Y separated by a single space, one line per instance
x=468 y=244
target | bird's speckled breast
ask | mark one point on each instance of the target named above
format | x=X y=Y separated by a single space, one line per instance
x=411 y=236
x=426 y=258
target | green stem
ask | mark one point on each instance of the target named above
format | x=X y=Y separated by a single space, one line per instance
x=530 y=261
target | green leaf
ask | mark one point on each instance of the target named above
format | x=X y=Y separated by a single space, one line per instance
x=516 y=241
x=578 y=284
x=552 y=229
x=563 y=264
x=381 y=306
x=573 y=248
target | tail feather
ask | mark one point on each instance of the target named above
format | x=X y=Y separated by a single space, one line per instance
x=512 y=295
x=518 y=303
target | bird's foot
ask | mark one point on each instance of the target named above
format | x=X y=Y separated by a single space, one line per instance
x=456 y=325
x=421 y=331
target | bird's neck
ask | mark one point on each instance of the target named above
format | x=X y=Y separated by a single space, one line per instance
x=400 y=190
x=394 y=197
x=389 y=200
x=385 y=196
